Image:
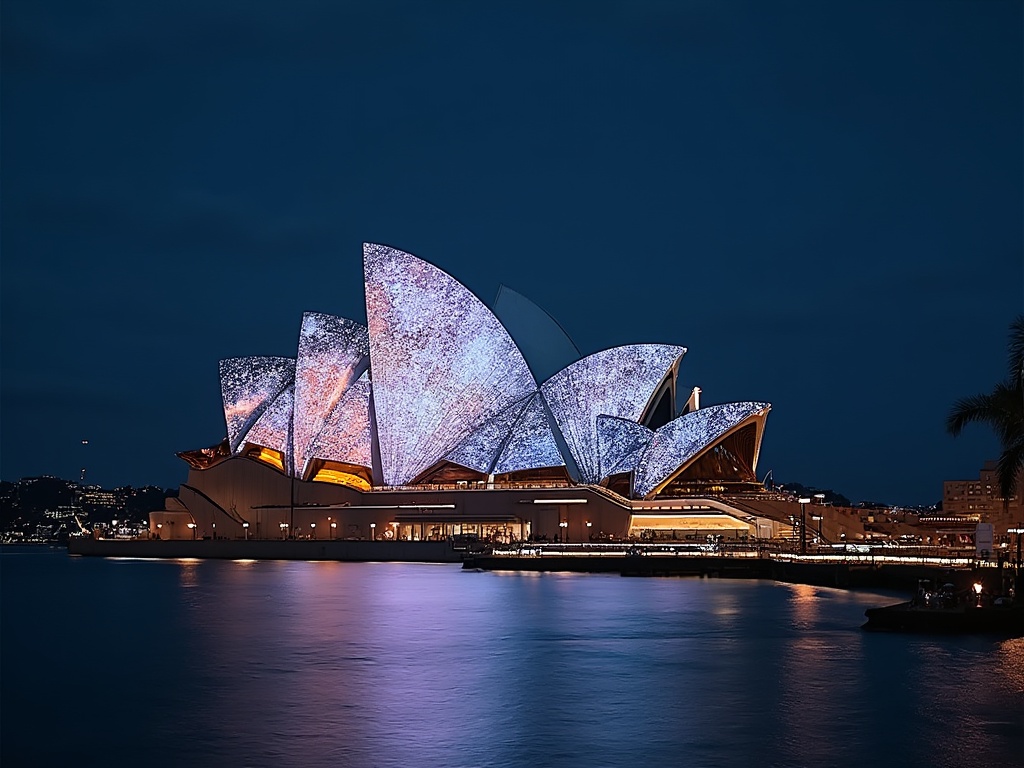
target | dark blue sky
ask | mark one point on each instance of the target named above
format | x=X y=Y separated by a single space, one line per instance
x=823 y=201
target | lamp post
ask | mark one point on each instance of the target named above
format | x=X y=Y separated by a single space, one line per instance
x=564 y=525
x=284 y=530
x=373 y=531
x=192 y=527
x=245 y=527
x=313 y=528
x=214 y=531
x=818 y=518
x=590 y=535
x=334 y=527
x=803 y=525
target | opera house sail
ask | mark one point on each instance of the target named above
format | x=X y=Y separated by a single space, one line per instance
x=433 y=395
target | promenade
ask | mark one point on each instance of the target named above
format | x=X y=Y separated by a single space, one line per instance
x=850 y=567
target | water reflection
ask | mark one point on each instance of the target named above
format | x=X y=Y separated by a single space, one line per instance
x=328 y=664
x=1009 y=666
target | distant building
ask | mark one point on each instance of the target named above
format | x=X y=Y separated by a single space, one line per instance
x=979 y=500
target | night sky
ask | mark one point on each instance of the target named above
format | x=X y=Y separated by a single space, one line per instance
x=822 y=201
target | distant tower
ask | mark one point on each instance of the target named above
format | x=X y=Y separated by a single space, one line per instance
x=81 y=478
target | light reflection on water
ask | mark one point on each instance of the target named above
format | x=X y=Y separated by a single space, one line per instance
x=308 y=664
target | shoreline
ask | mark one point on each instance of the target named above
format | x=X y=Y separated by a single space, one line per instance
x=842 y=574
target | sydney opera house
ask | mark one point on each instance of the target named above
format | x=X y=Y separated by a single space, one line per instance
x=442 y=416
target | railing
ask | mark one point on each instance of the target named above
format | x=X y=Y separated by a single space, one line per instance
x=773 y=549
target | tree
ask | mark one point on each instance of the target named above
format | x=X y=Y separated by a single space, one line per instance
x=1003 y=410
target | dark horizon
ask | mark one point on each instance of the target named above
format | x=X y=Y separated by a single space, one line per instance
x=823 y=203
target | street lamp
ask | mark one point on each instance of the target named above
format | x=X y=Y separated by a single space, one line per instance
x=192 y=527
x=284 y=530
x=803 y=525
x=313 y=526
x=214 y=531
x=373 y=531
x=564 y=525
x=245 y=526
x=333 y=527
x=819 y=518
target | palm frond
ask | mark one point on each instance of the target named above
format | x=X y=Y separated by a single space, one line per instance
x=1009 y=469
x=1016 y=351
x=969 y=410
x=1003 y=410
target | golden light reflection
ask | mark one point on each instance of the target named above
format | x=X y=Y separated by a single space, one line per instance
x=805 y=603
x=189 y=572
x=1010 y=663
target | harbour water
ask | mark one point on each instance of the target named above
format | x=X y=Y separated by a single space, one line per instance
x=210 y=663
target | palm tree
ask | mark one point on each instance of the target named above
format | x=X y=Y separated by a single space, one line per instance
x=1003 y=410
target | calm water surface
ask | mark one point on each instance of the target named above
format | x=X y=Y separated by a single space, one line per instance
x=174 y=663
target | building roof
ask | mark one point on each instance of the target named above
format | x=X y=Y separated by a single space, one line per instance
x=435 y=378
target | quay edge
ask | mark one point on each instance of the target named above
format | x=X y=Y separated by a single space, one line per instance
x=842 y=575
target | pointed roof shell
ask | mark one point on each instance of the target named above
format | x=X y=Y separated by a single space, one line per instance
x=615 y=382
x=531 y=443
x=684 y=438
x=442 y=363
x=479 y=450
x=345 y=436
x=621 y=444
x=248 y=386
x=274 y=428
x=333 y=352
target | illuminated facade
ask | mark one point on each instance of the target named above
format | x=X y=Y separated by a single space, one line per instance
x=434 y=393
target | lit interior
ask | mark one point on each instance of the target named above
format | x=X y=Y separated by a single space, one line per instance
x=326 y=475
x=269 y=456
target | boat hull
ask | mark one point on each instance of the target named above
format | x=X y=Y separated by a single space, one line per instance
x=1007 y=620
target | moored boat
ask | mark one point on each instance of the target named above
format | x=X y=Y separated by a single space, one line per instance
x=946 y=611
